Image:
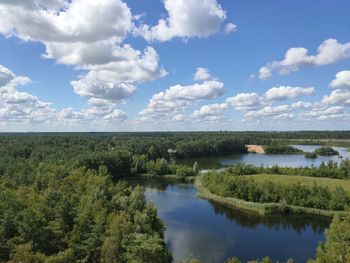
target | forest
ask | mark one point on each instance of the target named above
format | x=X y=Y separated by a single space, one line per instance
x=63 y=199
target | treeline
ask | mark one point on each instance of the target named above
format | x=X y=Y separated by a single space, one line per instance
x=212 y=147
x=82 y=217
x=330 y=169
x=123 y=164
x=228 y=185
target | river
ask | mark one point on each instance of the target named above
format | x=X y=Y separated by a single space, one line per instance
x=213 y=233
x=288 y=160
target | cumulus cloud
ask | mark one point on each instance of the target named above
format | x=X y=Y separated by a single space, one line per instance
x=340 y=96
x=19 y=107
x=212 y=112
x=230 y=27
x=265 y=73
x=86 y=35
x=337 y=97
x=202 y=74
x=267 y=111
x=333 y=112
x=245 y=101
x=5 y=76
x=288 y=92
x=329 y=52
x=179 y=97
x=81 y=21
x=186 y=19
x=342 y=80
x=302 y=105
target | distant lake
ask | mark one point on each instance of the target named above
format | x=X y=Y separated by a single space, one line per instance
x=290 y=160
x=213 y=233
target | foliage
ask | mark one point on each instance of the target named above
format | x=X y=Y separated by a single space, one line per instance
x=82 y=217
x=227 y=184
x=336 y=248
x=278 y=148
x=331 y=170
x=326 y=151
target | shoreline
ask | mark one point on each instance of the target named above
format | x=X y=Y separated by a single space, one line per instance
x=262 y=209
x=174 y=177
x=254 y=148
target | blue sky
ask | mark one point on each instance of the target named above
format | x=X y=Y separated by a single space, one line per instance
x=131 y=65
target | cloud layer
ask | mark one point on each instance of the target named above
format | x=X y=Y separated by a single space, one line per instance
x=17 y=107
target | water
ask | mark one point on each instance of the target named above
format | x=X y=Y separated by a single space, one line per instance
x=290 y=160
x=214 y=233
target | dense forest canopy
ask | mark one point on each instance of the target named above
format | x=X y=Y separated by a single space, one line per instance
x=62 y=198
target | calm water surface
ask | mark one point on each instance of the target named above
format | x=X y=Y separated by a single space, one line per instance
x=290 y=160
x=212 y=232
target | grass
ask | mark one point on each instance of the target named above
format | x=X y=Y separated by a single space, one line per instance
x=305 y=180
x=262 y=209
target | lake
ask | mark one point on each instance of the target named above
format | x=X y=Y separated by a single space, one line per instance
x=290 y=160
x=212 y=232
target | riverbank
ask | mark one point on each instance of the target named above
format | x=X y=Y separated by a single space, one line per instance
x=252 y=148
x=324 y=142
x=174 y=177
x=262 y=209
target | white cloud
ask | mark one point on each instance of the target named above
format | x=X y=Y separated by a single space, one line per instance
x=202 y=74
x=302 y=105
x=177 y=98
x=337 y=97
x=264 y=73
x=340 y=96
x=179 y=118
x=342 y=80
x=284 y=116
x=329 y=52
x=85 y=21
x=186 y=19
x=210 y=89
x=287 y=92
x=114 y=81
x=245 y=101
x=267 y=111
x=212 y=112
x=19 y=107
x=87 y=35
x=334 y=112
x=5 y=76
x=230 y=27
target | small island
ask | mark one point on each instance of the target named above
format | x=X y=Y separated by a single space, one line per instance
x=281 y=149
x=326 y=151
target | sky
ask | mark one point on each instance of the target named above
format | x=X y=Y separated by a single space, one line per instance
x=174 y=65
